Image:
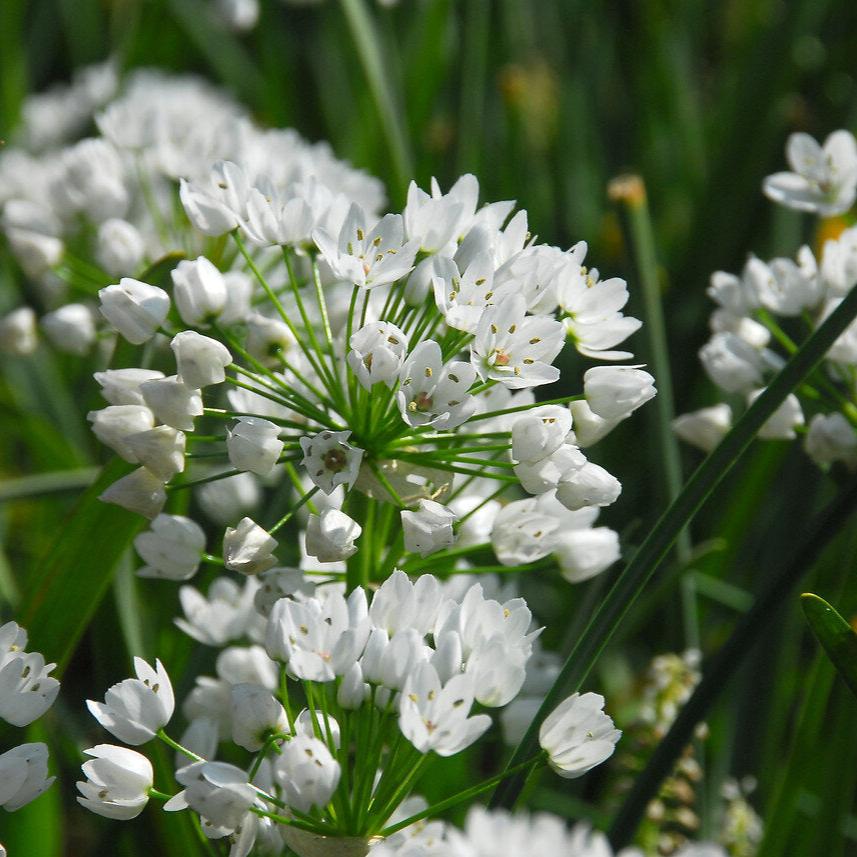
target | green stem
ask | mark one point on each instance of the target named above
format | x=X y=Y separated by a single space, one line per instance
x=641 y=568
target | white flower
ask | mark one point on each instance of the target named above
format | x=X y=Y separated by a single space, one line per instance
x=330 y=536
x=23 y=775
x=831 y=438
x=248 y=548
x=307 y=773
x=199 y=291
x=267 y=338
x=839 y=263
x=434 y=393
x=782 y=423
x=615 y=392
x=172 y=401
x=27 y=690
x=824 y=179
x=318 y=640
x=462 y=297
x=588 y=485
x=219 y=792
x=223 y=616
x=136 y=708
x=117 y=782
x=584 y=553
x=70 y=328
x=18 y=334
x=368 y=258
x=114 y=424
x=523 y=533
x=540 y=432
x=514 y=348
x=239 y=15
x=546 y=473
x=120 y=247
x=122 y=386
x=171 y=548
x=731 y=363
x=253 y=444
x=436 y=717
x=277 y=583
x=140 y=491
x=352 y=691
x=160 y=450
x=330 y=461
x=134 y=308
x=593 y=309
x=377 y=353
x=790 y=289
x=429 y=528
x=255 y=716
x=577 y=735
x=438 y=220
x=200 y=360
x=215 y=210
x=589 y=428
x=400 y=603
x=704 y=428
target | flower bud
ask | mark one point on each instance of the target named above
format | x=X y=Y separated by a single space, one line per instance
x=18 y=333
x=589 y=428
x=330 y=536
x=704 y=428
x=429 y=528
x=119 y=247
x=248 y=548
x=135 y=309
x=590 y=485
x=781 y=424
x=307 y=773
x=582 y=554
x=540 y=432
x=353 y=690
x=377 y=353
x=140 y=491
x=255 y=715
x=199 y=291
x=160 y=450
x=254 y=444
x=70 y=328
x=200 y=359
x=615 y=392
x=171 y=548
x=172 y=401
x=267 y=337
x=23 y=775
x=114 y=424
x=122 y=386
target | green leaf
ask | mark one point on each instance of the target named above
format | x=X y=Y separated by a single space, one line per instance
x=77 y=570
x=835 y=635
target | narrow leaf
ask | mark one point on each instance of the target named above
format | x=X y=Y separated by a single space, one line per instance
x=835 y=635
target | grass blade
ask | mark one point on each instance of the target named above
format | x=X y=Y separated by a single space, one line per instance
x=835 y=635
x=77 y=571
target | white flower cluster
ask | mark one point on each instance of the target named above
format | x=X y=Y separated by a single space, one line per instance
x=383 y=685
x=488 y=833
x=27 y=691
x=78 y=214
x=396 y=357
x=764 y=312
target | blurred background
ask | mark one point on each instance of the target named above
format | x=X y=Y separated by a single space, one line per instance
x=545 y=101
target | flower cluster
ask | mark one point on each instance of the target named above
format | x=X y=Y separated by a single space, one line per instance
x=763 y=312
x=338 y=713
x=27 y=691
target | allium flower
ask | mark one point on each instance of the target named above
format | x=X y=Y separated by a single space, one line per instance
x=70 y=328
x=330 y=460
x=171 y=548
x=368 y=257
x=172 y=401
x=824 y=179
x=437 y=717
x=517 y=349
x=18 y=333
x=140 y=491
x=26 y=688
x=255 y=716
x=136 y=708
x=706 y=427
x=577 y=735
x=23 y=775
x=219 y=792
x=330 y=536
x=615 y=392
x=307 y=772
x=117 y=782
x=782 y=423
x=431 y=393
x=377 y=352
x=199 y=292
